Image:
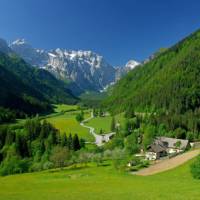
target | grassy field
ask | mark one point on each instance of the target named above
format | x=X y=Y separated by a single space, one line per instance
x=98 y=123
x=64 y=108
x=63 y=118
x=66 y=122
x=97 y=183
x=104 y=123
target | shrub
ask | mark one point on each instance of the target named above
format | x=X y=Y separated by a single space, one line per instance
x=47 y=165
x=59 y=156
x=14 y=165
x=36 y=166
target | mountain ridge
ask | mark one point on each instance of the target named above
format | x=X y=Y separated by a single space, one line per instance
x=86 y=69
x=169 y=81
x=29 y=89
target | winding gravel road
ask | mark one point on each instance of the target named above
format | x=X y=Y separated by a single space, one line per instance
x=99 y=139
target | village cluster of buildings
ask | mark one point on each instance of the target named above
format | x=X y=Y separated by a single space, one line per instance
x=164 y=146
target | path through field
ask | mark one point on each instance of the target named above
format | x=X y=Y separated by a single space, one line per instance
x=168 y=164
x=99 y=139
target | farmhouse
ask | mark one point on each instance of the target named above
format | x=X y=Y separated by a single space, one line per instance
x=163 y=146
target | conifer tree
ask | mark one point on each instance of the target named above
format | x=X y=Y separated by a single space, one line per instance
x=70 y=141
x=64 y=140
x=76 y=143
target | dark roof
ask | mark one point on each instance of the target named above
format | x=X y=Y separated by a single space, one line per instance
x=157 y=147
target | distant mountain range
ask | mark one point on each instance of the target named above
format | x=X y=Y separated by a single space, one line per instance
x=85 y=70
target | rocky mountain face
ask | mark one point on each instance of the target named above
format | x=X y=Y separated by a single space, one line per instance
x=88 y=70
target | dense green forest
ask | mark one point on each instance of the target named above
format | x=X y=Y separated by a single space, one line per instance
x=34 y=146
x=29 y=90
x=168 y=86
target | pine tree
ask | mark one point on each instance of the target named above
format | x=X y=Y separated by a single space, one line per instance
x=76 y=143
x=10 y=137
x=42 y=147
x=18 y=144
x=59 y=139
x=64 y=140
x=70 y=142
x=21 y=146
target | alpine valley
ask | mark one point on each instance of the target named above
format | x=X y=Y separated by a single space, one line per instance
x=72 y=126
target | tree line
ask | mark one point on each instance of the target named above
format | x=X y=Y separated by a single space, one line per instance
x=32 y=147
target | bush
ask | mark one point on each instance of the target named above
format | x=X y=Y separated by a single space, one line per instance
x=195 y=168
x=14 y=165
x=59 y=156
x=36 y=166
x=137 y=163
x=47 y=165
x=97 y=158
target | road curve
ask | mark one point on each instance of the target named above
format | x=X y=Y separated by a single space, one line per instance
x=99 y=139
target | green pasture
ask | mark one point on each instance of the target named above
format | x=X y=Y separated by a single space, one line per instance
x=97 y=183
x=104 y=123
x=66 y=123
x=64 y=107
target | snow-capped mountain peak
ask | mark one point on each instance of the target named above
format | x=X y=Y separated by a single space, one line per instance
x=19 y=42
x=131 y=64
x=87 y=69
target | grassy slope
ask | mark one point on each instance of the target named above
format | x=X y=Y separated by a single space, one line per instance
x=100 y=183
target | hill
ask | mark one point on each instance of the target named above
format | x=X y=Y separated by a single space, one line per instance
x=29 y=89
x=170 y=81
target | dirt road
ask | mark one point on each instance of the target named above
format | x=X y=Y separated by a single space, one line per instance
x=99 y=139
x=168 y=164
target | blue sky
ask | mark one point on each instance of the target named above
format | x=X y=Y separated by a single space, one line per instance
x=117 y=29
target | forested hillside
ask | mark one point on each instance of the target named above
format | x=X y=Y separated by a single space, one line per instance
x=28 y=89
x=171 y=81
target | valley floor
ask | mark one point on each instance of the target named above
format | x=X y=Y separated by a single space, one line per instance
x=97 y=183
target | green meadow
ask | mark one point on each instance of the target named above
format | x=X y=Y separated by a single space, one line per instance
x=64 y=108
x=64 y=119
x=104 y=123
x=66 y=122
x=100 y=183
x=99 y=123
